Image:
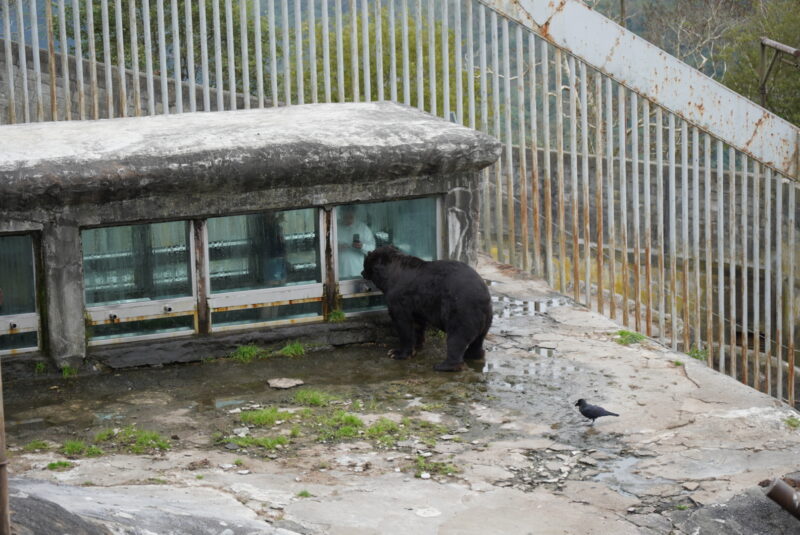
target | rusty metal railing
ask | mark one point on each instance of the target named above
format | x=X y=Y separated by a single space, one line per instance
x=628 y=180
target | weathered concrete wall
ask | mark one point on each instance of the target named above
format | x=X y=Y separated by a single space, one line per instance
x=58 y=178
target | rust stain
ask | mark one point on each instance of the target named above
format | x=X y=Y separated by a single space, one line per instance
x=757 y=128
x=267 y=304
x=111 y=321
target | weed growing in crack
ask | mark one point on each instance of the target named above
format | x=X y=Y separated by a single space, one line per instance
x=293 y=349
x=264 y=417
x=313 y=398
x=627 y=338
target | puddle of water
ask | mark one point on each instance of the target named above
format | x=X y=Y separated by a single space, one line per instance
x=622 y=478
x=222 y=403
x=506 y=307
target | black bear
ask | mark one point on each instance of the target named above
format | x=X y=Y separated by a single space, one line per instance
x=445 y=294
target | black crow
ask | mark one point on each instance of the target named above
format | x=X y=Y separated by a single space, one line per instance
x=592 y=411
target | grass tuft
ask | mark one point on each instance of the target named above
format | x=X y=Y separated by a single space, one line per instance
x=304 y=494
x=339 y=426
x=627 y=338
x=74 y=448
x=268 y=443
x=247 y=353
x=68 y=372
x=35 y=445
x=264 y=417
x=422 y=464
x=134 y=440
x=698 y=353
x=792 y=422
x=337 y=316
x=60 y=466
x=312 y=398
x=293 y=349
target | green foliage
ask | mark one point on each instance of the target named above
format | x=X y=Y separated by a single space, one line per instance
x=304 y=494
x=134 y=440
x=385 y=432
x=698 y=353
x=792 y=422
x=199 y=476
x=627 y=338
x=93 y=451
x=268 y=443
x=238 y=462
x=312 y=398
x=247 y=353
x=681 y=507
x=74 y=448
x=60 y=466
x=341 y=425
x=68 y=372
x=677 y=363
x=337 y=316
x=35 y=445
x=264 y=417
x=293 y=349
x=422 y=464
x=295 y=432
x=39 y=368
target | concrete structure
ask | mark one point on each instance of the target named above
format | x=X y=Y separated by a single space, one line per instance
x=59 y=179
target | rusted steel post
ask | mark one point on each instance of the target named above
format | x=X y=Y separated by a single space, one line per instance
x=732 y=259
x=51 y=60
x=685 y=235
x=573 y=171
x=330 y=291
x=562 y=237
x=637 y=251
x=587 y=251
x=548 y=184
x=5 y=515
x=768 y=200
x=510 y=195
x=201 y=262
x=756 y=277
x=537 y=234
x=744 y=362
x=612 y=231
x=623 y=200
x=598 y=192
x=522 y=144
x=648 y=228
x=708 y=249
x=791 y=313
x=784 y=495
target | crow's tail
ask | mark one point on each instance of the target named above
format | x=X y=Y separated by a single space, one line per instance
x=609 y=413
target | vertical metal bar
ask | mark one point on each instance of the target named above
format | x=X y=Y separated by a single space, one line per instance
x=312 y=48
x=230 y=47
x=420 y=60
x=698 y=332
x=548 y=180
x=23 y=63
x=162 y=57
x=326 y=52
x=287 y=54
x=92 y=59
x=365 y=51
x=471 y=75
x=745 y=358
x=757 y=228
x=573 y=171
x=537 y=235
x=243 y=42
x=497 y=128
x=610 y=198
x=768 y=283
x=685 y=234
x=12 y=104
x=137 y=86
x=259 y=67
x=393 y=52
x=176 y=57
x=672 y=238
x=339 y=51
x=721 y=252
x=104 y=23
x=459 y=69
x=298 y=51
x=732 y=258
x=123 y=81
x=406 y=68
x=64 y=48
x=562 y=237
x=637 y=251
x=148 y=59
x=445 y=58
x=432 y=52
x=648 y=228
x=379 y=47
x=708 y=249
x=623 y=201
x=598 y=191
x=662 y=286
x=523 y=170
x=510 y=195
x=587 y=250
x=790 y=320
x=273 y=48
x=37 y=67
x=354 y=51
x=485 y=205
x=780 y=306
x=51 y=59
x=204 y=55
x=218 y=79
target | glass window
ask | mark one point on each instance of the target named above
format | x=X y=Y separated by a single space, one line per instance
x=102 y=331
x=266 y=250
x=17 y=284
x=274 y=313
x=136 y=263
x=409 y=225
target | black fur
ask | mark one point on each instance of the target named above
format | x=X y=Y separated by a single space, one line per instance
x=445 y=294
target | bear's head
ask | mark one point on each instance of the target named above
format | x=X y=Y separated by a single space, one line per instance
x=377 y=263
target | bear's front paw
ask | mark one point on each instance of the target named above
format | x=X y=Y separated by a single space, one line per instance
x=447 y=366
x=400 y=354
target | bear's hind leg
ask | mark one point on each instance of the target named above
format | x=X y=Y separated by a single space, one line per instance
x=456 y=345
x=475 y=349
x=419 y=334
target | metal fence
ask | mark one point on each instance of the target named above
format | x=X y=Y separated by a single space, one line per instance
x=629 y=181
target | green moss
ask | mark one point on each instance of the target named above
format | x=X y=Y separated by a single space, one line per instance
x=93 y=451
x=268 y=443
x=304 y=494
x=198 y=476
x=134 y=440
x=293 y=349
x=312 y=398
x=677 y=363
x=627 y=338
x=422 y=464
x=339 y=426
x=39 y=368
x=264 y=417
x=337 y=316
x=681 y=507
x=60 y=466
x=792 y=422
x=68 y=372
x=385 y=432
x=238 y=462
x=35 y=445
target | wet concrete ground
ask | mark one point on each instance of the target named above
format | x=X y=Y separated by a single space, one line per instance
x=685 y=454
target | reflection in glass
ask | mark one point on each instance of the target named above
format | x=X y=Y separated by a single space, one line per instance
x=136 y=262
x=409 y=225
x=264 y=250
x=17 y=282
x=142 y=327
x=364 y=303
x=19 y=341
x=264 y=314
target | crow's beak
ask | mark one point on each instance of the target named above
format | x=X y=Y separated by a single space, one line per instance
x=577 y=403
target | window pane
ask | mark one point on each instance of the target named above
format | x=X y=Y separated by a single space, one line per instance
x=17 y=285
x=409 y=225
x=136 y=263
x=138 y=328
x=266 y=250
x=364 y=303
x=19 y=340
x=275 y=313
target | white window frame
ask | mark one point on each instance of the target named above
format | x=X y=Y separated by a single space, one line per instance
x=149 y=309
x=269 y=297
x=25 y=322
